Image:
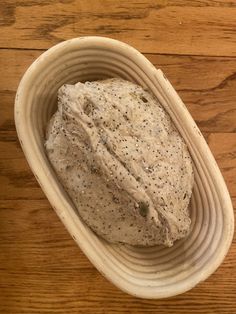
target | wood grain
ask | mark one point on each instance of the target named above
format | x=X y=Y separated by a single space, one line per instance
x=201 y=27
x=194 y=42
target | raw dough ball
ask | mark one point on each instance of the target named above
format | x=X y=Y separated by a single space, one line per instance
x=122 y=161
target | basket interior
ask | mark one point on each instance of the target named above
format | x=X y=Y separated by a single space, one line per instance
x=147 y=272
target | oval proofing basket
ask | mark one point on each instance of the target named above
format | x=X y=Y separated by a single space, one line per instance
x=154 y=272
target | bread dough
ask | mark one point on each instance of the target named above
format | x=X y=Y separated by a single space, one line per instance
x=122 y=162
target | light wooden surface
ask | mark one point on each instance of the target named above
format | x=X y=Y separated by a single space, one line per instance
x=194 y=43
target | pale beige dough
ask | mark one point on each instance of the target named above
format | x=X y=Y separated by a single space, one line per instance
x=122 y=161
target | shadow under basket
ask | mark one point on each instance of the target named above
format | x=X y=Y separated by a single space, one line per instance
x=152 y=272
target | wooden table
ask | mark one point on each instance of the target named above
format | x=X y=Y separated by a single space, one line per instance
x=194 y=42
